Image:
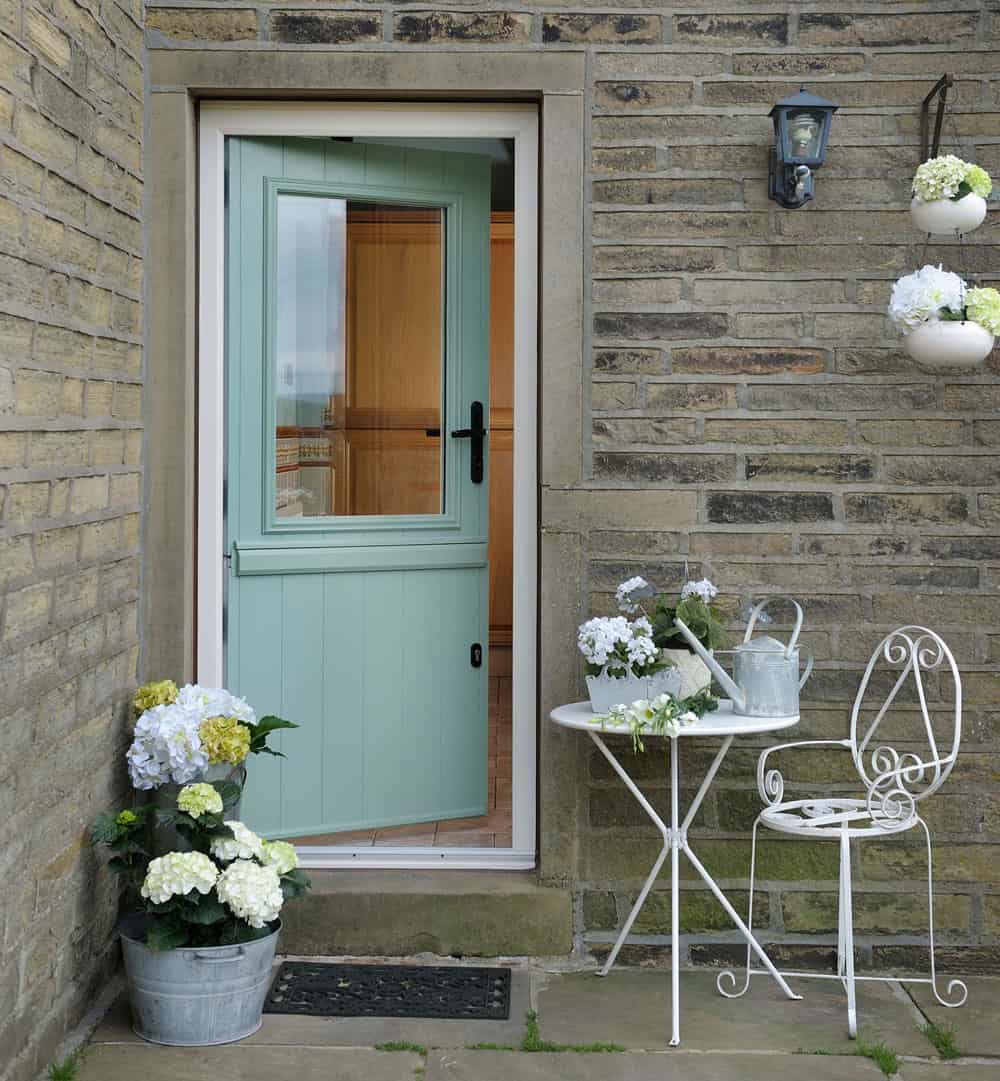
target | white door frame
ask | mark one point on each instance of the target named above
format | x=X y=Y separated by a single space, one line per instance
x=324 y=119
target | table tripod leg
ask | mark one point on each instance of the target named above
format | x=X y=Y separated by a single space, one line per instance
x=654 y=873
x=740 y=925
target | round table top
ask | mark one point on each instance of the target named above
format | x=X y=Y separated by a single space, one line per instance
x=721 y=722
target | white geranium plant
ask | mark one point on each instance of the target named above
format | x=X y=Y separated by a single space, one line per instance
x=932 y=294
x=616 y=646
x=229 y=888
x=694 y=606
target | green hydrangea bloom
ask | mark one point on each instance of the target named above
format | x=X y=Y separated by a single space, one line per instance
x=224 y=739
x=126 y=818
x=199 y=799
x=158 y=693
x=979 y=180
x=982 y=306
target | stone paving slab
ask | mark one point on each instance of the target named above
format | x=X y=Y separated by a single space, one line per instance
x=948 y=1071
x=659 y=1066
x=632 y=1008
x=977 y=1031
x=290 y=1029
x=241 y=1062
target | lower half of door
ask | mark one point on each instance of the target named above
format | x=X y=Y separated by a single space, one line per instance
x=386 y=673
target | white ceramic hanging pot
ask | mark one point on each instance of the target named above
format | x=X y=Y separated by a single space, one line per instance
x=946 y=344
x=947 y=216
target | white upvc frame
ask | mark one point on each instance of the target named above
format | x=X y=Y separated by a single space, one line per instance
x=324 y=119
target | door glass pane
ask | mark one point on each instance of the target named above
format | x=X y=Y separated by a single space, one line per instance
x=360 y=358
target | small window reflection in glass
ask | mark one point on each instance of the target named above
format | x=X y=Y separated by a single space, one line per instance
x=359 y=358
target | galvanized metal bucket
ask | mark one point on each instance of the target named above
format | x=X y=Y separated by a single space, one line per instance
x=197 y=996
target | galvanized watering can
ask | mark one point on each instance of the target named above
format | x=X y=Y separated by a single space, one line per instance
x=765 y=680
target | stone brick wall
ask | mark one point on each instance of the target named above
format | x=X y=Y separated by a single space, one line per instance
x=71 y=85
x=743 y=378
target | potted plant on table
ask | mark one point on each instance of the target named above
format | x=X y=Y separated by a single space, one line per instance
x=623 y=663
x=945 y=323
x=949 y=195
x=694 y=606
x=201 y=925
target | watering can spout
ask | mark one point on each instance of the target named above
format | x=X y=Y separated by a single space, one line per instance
x=720 y=674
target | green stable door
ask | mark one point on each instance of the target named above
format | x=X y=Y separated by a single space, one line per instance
x=357 y=361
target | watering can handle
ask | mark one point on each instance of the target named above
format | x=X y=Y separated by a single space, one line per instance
x=760 y=608
x=208 y=959
x=807 y=673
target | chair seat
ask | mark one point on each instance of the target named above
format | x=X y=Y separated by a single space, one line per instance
x=831 y=817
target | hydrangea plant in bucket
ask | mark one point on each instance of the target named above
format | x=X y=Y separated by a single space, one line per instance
x=201 y=926
x=949 y=196
x=946 y=324
x=193 y=733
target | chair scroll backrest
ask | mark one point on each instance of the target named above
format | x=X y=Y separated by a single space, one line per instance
x=916 y=664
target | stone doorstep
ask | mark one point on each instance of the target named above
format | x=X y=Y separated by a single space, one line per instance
x=448 y=913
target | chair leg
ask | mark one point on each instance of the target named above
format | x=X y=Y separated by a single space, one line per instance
x=728 y=977
x=955 y=987
x=845 y=934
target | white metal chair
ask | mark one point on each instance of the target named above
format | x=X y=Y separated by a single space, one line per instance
x=894 y=784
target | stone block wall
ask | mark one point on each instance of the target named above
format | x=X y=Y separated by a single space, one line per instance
x=71 y=113
x=750 y=414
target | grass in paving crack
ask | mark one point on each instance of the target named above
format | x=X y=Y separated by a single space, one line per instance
x=65 y=1070
x=883 y=1056
x=402 y=1045
x=533 y=1041
x=489 y=1047
x=943 y=1038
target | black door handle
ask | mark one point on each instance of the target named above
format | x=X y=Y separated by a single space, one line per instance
x=477 y=433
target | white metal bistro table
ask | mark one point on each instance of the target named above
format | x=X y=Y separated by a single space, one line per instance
x=722 y=724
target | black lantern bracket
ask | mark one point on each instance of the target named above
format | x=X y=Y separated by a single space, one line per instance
x=801 y=131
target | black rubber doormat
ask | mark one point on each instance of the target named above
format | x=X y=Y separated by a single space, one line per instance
x=441 y=991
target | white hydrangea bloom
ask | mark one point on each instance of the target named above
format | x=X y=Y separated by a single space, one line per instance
x=919 y=297
x=251 y=891
x=178 y=873
x=243 y=845
x=939 y=178
x=166 y=747
x=215 y=702
x=281 y=856
x=704 y=589
x=624 y=594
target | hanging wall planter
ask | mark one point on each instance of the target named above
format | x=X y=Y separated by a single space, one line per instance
x=942 y=217
x=946 y=324
x=949 y=344
x=949 y=196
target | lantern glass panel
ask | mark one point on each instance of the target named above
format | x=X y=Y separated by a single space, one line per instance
x=804 y=128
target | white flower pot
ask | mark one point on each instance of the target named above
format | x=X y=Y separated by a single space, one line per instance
x=946 y=344
x=694 y=673
x=606 y=691
x=947 y=216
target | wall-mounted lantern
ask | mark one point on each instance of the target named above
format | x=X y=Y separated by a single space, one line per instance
x=801 y=130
